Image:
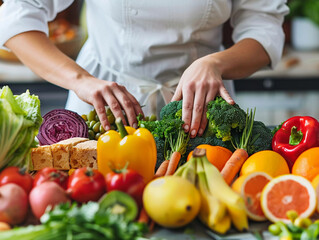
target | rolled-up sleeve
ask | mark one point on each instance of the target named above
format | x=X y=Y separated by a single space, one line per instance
x=18 y=16
x=260 y=20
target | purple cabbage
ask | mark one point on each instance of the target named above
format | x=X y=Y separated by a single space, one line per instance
x=61 y=124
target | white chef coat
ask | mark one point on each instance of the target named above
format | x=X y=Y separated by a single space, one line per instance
x=147 y=44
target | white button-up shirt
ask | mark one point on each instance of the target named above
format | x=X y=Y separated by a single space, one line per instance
x=147 y=44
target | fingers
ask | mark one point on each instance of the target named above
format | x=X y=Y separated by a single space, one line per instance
x=187 y=108
x=178 y=94
x=197 y=111
x=225 y=95
x=99 y=106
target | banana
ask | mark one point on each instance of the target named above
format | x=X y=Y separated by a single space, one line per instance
x=187 y=171
x=212 y=211
x=233 y=201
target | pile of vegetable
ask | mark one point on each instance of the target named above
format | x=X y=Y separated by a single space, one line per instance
x=20 y=120
x=225 y=125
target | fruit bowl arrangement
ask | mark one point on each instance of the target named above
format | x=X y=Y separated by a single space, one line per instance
x=67 y=37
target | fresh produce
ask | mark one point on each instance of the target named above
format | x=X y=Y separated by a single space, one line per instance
x=250 y=187
x=13 y=204
x=86 y=184
x=46 y=196
x=87 y=221
x=134 y=148
x=177 y=148
x=239 y=156
x=51 y=174
x=297 y=228
x=61 y=124
x=315 y=184
x=225 y=122
x=118 y=202
x=18 y=176
x=296 y=135
x=4 y=226
x=95 y=128
x=223 y=117
x=266 y=161
x=285 y=193
x=216 y=155
x=169 y=204
x=220 y=205
x=20 y=119
x=307 y=164
x=128 y=181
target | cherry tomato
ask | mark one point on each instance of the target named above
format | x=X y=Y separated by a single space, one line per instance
x=18 y=176
x=51 y=174
x=128 y=181
x=86 y=184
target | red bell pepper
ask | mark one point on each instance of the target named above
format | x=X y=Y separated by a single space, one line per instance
x=296 y=135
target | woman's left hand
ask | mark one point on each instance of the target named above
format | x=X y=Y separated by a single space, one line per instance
x=200 y=83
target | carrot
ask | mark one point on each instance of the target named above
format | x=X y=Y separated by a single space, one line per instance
x=162 y=169
x=239 y=156
x=173 y=163
x=143 y=217
x=234 y=164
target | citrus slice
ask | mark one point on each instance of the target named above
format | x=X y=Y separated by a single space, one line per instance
x=250 y=187
x=288 y=192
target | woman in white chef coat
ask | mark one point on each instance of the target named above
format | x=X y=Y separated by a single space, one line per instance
x=138 y=51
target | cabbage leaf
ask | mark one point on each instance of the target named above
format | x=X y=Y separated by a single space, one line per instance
x=20 y=119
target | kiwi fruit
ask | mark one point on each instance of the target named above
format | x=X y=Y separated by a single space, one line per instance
x=119 y=203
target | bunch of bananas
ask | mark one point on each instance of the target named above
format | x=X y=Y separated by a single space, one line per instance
x=220 y=205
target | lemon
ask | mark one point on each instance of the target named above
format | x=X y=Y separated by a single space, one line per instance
x=171 y=201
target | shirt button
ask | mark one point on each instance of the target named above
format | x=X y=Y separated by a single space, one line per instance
x=134 y=11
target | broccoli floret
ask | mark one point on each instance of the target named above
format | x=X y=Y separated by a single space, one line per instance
x=172 y=110
x=263 y=137
x=223 y=117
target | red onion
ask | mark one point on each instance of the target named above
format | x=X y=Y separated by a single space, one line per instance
x=61 y=124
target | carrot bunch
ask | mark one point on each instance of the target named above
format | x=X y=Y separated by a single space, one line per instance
x=239 y=156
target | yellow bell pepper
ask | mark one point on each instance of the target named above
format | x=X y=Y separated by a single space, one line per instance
x=134 y=148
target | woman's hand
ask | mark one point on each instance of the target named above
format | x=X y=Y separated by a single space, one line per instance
x=100 y=93
x=200 y=83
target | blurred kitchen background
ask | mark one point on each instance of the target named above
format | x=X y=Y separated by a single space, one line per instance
x=292 y=88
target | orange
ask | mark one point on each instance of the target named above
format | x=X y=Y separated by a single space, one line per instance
x=285 y=193
x=216 y=155
x=307 y=164
x=250 y=187
x=315 y=184
x=267 y=161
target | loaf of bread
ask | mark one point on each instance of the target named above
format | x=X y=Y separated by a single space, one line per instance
x=70 y=153
x=84 y=154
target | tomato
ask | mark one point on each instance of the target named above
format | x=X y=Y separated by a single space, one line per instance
x=128 y=181
x=86 y=184
x=18 y=176
x=51 y=174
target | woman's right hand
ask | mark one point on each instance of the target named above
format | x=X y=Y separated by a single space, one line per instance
x=100 y=93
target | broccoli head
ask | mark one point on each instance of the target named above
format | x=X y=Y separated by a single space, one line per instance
x=223 y=117
x=172 y=110
x=261 y=138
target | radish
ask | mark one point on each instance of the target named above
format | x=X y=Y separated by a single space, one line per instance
x=47 y=194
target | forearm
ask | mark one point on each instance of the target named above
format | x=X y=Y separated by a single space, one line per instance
x=241 y=60
x=37 y=52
